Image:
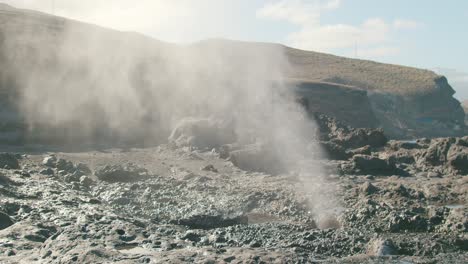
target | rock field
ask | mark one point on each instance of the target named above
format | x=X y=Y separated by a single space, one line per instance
x=379 y=201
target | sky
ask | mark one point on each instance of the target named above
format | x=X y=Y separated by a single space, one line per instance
x=429 y=34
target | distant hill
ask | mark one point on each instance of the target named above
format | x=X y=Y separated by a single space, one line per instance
x=407 y=102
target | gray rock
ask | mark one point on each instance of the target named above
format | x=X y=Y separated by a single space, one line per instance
x=209 y=167
x=433 y=174
x=4 y=180
x=65 y=165
x=47 y=171
x=334 y=151
x=348 y=137
x=381 y=247
x=368 y=188
x=70 y=178
x=86 y=181
x=8 y=160
x=373 y=165
x=5 y=221
x=50 y=161
x=457 y=158
x=119 y=173
x=436 y=154
x=83 y=168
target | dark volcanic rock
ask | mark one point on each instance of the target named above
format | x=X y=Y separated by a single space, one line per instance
x=332 y=130
x=65 y=165
x=381 y=247
x=436 y=154
x=450 y=155
x=5 y=221
x=211 y=221
x=50 y=161
x=373 y=165
x=47 y=171
x=9 y=160
x=334 y=151
x=369 y=189
x=119 y=173
x=4 y=180
x=457 y=158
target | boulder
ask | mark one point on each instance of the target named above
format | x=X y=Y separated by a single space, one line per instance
x=5 y=221
x=65 y=165
x=401 y=156
x=436 y=154
x=119 y=173
x=50 y=161
x=83 y=168
x=360 y=137
x=457 y=158
x=368 y=188
x=4 y=180
x=373 y=165
x=381 y=247
x=8 y=160
x=334 y=151
x=86 y=181
x=332 y=130
x=209 y=167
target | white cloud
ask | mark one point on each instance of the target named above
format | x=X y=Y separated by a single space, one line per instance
x=406 y=24
x=332 y=4
x=293 y=11
x=373 y=36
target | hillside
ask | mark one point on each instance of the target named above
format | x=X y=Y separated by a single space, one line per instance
x=49 y=55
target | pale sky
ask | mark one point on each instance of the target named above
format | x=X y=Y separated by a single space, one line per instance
x=428 y=34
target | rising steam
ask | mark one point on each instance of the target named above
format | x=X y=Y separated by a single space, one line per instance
x=88 y=84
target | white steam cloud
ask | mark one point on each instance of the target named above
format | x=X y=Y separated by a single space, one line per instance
x=86 y=83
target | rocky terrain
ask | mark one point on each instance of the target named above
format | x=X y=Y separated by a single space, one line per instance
x=394 y=202
x=106 y=157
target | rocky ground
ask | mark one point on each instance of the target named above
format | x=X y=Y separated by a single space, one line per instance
x=393 y=202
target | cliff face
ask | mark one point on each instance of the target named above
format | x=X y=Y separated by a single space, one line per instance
x=465 y=107
x=434 y=113
x=347 y=104
x=38 y=51
x=407 y=102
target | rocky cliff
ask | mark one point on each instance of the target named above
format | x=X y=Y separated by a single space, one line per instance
x=465 y=107
x=408 y=102
x=38 y=51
